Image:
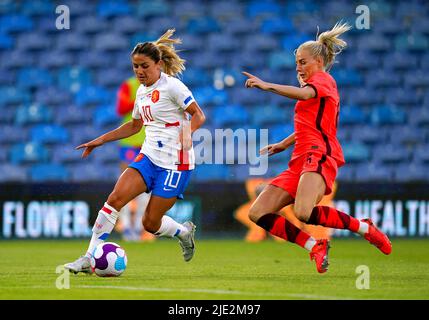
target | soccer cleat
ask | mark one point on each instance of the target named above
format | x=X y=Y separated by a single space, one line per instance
x=188 y=244
x=82 y=264
x=319 y=254
x=377 y=238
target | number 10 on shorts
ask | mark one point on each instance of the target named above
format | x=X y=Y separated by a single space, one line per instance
x=173 y=179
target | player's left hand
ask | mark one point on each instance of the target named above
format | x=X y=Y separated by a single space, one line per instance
x=185 y=136
x=254 y=82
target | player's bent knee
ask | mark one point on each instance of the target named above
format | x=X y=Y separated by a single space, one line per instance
x=302 y=213
x=151 y=225
x=115 y=201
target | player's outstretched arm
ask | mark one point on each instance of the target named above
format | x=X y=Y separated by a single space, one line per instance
x=279 y=146
x=124 y=131
x=302 y=93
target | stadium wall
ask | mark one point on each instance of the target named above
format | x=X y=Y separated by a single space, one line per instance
x=32 y=211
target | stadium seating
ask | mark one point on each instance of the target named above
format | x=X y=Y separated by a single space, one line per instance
x=58 y=87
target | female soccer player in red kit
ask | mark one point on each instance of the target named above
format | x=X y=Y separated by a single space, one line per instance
x=316 y=157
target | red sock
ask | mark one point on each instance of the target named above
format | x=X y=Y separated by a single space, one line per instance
x=332 y=218
x=280 y=227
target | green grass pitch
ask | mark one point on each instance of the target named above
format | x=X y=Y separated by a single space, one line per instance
x=221 y=269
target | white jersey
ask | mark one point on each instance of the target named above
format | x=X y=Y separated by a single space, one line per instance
x=162 y=107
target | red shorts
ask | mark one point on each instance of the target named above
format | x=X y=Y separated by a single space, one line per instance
x=325 y=165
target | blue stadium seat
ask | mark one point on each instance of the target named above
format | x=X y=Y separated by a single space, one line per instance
x=90 y=172
x=7 y=115
x=387 y=114
x=110 y=8
x=91 y=95
x=406 y=135
x=355 y=152
x=420 y=28
x=158 y=8
x=402 y=97
x=55 y=59
x=49 y=133
x=37 y=8
x=13 y=96
x=83 y=133
x=226 y=10
x=230 y=115
x=400 y=61
x=111 y=42
x=53 y=96
x=417 y=78
x=90 y=24
x=391 y=153
x=33 y=113
x=194 y=77
x=202 y=25
x=347 y=77
x=282 y=60
x=112 y=78
x=188 y=9
x=219 y=42
x=411 y=172
x=71 y=114
x=105 y=115
x=34 y=78
x=352 y=114
x=79 y=10
x=248 y=97
x=412 y=42
x=15 y=23
x=380 y=9
x=12 y=134
x=12 y=173
x=277 y=26
x=74 y=42
x=48 y=173
x=108 y=153
x=268 y=114
x=17 y=59
x=278 y=132
x=91 y=60
x=382 y=78
x=375 y=43
x=246 y=60
x=261 y=42
x=6 y=42
x=346 y=174
x=240 y=26
x=210 y=96
x=8 y=7
x=28 y=152
x=293 y=41
x=362 y=60
x=65 y=154
x=373 y=173
x=7 y=78
x=421 y=153
x=34 y=41
x=368 y=134
x=74 y=79
x=211 y=172
x=388 y=27
x=127 y=24
x=260 y=10
x=365 y=96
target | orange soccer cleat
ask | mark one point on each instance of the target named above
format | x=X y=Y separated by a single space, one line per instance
x=377 y=238
x=319 y=254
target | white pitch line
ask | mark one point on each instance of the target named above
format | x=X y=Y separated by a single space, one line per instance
x=213 y=291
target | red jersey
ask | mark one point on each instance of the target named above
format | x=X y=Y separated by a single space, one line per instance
x=316 y=120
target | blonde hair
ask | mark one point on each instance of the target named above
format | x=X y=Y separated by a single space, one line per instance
x=328 y=44
x=163 y=49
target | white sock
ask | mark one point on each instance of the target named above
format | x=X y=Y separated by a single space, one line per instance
x=363 y=228
x=102 y=228
x=170 y=228
x=310 y=243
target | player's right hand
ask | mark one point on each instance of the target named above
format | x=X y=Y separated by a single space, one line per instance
x=89 y=146
x=272 y=149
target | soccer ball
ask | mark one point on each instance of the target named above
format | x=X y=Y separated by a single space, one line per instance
x=108 y=260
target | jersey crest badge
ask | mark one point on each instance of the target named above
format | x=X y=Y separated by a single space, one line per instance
x=155 y=96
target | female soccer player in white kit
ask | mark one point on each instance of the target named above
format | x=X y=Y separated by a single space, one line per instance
x=163 y=105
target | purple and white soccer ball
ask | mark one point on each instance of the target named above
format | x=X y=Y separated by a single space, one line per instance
x=108 y=260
